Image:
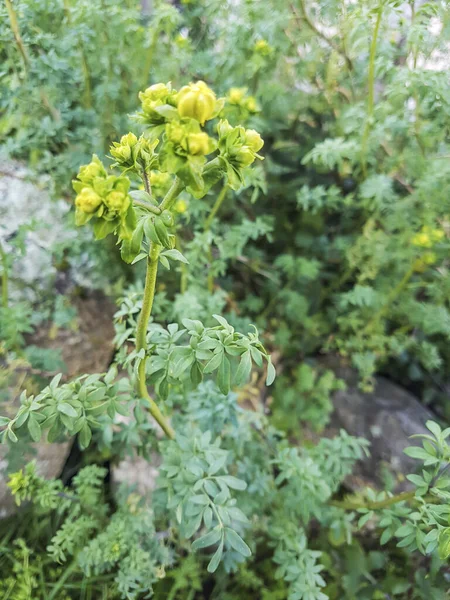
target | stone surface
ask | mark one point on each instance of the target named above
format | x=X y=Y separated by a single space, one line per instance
x=25 y=201
x=138 y=473
x=387 y=417
x=87 y=346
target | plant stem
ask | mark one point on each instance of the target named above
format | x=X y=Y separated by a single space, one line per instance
x=371 y=90
x=174 y=191
x=392 y=296
x=218 y=203
x=319 y=33
x=16 y=32
x=348 y=504
x=4 y=263
x=142 y=326
x=154 y=209
x=146 y=181
x=141 y=337
x=59 y=584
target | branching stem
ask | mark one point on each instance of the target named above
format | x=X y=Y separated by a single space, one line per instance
x=144 y=317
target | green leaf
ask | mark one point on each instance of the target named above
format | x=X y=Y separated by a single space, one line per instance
x=12 y=436
x=67 y=409
x=237 y=542
x=224 y=375
x=215 y=560
x=211 y=538
x=244 y=369
x=271 y=373
x=175 y=255
x=4 y=421
x=233 y=482
x=85 y=436
x=34 y=428
x=214 y=363
x=444 y=544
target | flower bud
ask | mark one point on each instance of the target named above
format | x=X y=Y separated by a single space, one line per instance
x=181 y=206
x=422 y=240
x=263 y=48
x=87 y=200
x=236 y=95
x=251 y=105
x=244 y=156
x=253 y=140
x=117 y=201
x=122 y=151
x=175 y=132
x=87 y=173
x=198 y=144
x=196 y=101
x=158 y=91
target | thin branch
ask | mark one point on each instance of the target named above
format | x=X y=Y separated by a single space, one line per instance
x=305 y=17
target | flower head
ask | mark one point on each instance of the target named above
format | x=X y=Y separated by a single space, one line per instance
x=196 y=101
x=88 y=200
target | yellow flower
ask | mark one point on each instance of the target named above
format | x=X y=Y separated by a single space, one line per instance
x=181 y=206
x=158 y=91
x=251 y=104
x=236 y=95
x=121 y=151
x=198 y=144
x=254 y=140
x=87 y=200
x=87 y=173
x=196 y=101
x=263 y=47
x=437 y=235
x=117 y=201
x=427 y=237
x=427 y=259
x=175 y=132
x=245 y=156
x=159 y=179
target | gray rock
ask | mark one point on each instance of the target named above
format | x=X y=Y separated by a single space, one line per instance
x=25 y=201
x=387 y=417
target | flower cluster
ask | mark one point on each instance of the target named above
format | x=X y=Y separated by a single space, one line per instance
x=263 y=48
x=427 y=237
x=172 y=155
x=105 y=198
x=134 y=153
x=158 y=102
x=239 y=147
x=237 y=97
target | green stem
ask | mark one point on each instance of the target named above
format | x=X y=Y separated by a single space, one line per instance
x=16 y=32
x=61 y=581
x=153 y=209
x=218 y=203
x=176 y=188
x=391 y=298
x=371 y=91
x=348 y=504
x=141 y=337
x=144 y=317
x=4 y=263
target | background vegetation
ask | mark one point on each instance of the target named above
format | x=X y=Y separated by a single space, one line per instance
x=336 y=245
